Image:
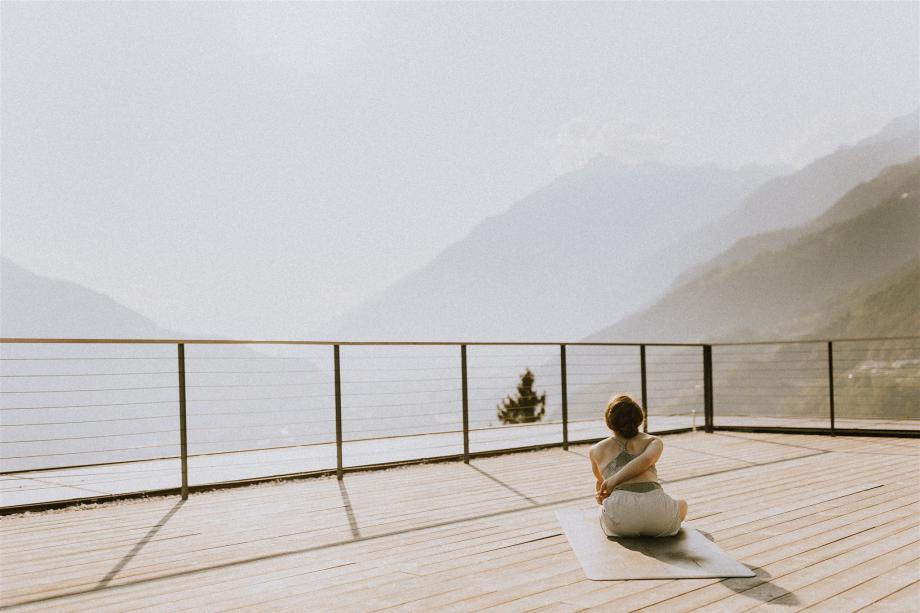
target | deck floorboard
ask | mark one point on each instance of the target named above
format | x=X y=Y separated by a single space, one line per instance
x=828 y=524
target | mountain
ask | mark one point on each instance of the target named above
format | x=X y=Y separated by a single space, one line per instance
x=557 y=263
x=791 y=200
x=886 y=307
x=33 y=306
x=874 y=379
x=766 y=294
x=795 y=199
x=608 y=240
x=861 y=198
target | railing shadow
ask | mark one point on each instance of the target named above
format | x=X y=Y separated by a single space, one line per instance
x=504 y=485
x=349 y=511
x=138 y=546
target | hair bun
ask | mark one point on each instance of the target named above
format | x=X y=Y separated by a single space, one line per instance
x=624 y=416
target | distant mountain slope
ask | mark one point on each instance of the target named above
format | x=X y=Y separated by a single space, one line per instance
x=35 y=306
x=756 y=298
x=94 y=387
x=881 y=308
x=863 y=197
x=795 y=199
x=553 y=265
x=790 y=201
x=874 y=379
x=605 y=241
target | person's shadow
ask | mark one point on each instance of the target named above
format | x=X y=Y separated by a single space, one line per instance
x=679 y=550
x=760 y=588
x=687 y=551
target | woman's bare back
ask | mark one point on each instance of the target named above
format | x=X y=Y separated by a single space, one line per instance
x=607 y=450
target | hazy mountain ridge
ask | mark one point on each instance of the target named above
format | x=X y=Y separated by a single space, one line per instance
x=587 y=249
x=550 y=266
x=861 y=198
x=792 y=200
x=105 y=383
x=33 y=306
x=754 y=299
x=522 y=266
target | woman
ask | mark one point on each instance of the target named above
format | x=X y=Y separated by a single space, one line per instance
x=627 y=482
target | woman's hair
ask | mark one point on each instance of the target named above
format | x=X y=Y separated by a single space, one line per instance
x=624 y=416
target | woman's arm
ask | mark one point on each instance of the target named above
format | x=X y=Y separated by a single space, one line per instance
x=635 y=467
x=598 y=475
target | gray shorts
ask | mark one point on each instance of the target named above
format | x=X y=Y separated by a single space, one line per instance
x=640 y=513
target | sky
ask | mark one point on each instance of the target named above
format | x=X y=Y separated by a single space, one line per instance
x=253 y=170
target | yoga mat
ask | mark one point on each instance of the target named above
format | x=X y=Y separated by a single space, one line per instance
x=687 y=555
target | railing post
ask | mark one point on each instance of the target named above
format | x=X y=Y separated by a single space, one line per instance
x=644 y=386
x=707 y=388
x=338 y=412
x=466 y=405
x=830 y=381
x=565 y=399
x=183 y=427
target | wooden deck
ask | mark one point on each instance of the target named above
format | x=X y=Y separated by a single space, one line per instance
x=827 y=523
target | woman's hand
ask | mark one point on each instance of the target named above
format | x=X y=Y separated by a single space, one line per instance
x=599 y=497
x=603 y=490
x=609 y=485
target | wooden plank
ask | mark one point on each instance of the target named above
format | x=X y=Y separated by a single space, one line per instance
x=588 y=603
x=876 y=588
x=786 y=587
x=784 y=559
x=903 y=601
x=833 y=581
x=688 y=595
x=767 y=499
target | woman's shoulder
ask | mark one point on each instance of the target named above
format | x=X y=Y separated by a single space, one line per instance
x=600 y=447
x=648 y=439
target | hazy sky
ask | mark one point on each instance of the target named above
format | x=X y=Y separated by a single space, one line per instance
x=251 y=170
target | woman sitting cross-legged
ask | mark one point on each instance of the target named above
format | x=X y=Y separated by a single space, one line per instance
x=634 y=504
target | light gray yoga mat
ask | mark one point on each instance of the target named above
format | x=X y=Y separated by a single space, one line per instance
x=687 y=555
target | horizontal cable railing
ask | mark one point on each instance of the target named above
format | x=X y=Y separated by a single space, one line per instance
x=86 y=419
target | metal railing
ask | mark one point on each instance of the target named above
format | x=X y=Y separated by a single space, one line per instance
x=764 y=386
